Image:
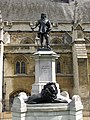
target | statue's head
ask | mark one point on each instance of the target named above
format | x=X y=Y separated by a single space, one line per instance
x=43 y=16
x=49 y=91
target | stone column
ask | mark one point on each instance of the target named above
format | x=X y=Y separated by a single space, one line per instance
x=44 y=70
x=79 y=50
x=76 y=89
x=80 y=71
x=80 y=65
x=1 y=60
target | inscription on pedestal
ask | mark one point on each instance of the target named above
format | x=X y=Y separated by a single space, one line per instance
x=45 y=71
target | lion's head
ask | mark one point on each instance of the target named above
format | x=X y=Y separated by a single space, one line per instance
x=49 y=92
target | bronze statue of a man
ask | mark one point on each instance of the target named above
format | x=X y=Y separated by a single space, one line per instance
x=44 y=28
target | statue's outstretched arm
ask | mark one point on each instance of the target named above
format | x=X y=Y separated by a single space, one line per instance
x=35 y=25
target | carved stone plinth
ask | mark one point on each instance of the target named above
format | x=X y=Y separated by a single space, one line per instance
x=47 y=111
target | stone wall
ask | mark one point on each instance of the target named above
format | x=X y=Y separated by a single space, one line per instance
x=24 y=82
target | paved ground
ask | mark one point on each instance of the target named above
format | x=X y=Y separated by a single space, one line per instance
x=86 y=118
x=8 y=116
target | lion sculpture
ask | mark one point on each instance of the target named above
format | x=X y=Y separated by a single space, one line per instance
x=47 y=95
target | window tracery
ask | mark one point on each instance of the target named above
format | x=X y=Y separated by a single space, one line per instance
x=20 y=65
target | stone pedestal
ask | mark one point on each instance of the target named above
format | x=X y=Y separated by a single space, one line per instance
x=47 y=111
x=44 y=70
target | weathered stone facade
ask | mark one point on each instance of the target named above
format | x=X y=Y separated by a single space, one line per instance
x=22 y=46
x=71 y=43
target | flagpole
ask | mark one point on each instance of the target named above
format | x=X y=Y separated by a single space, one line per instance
x=1 y=60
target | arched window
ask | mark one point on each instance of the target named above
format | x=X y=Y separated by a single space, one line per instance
x=17 y=67
x=56 y=40
x=58 y=70
x=20 y=67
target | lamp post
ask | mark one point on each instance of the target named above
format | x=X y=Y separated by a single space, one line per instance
x=3 y=97
x=3 y=89
x=1 y=59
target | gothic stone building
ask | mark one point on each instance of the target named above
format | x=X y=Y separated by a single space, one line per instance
x=71 y=42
